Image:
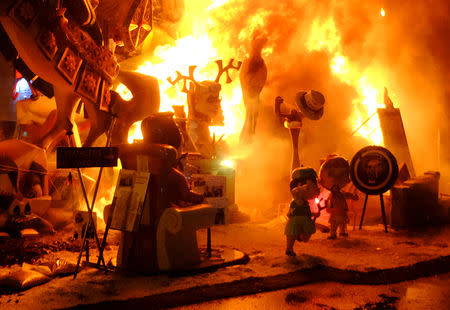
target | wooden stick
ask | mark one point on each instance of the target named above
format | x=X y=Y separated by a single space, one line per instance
x=363 y=123
x=108 y=225
x=364 y=211
x=90 y=210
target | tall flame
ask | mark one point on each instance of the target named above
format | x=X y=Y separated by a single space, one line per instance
x=200 y=44
x=200 y=48
x=324 y=36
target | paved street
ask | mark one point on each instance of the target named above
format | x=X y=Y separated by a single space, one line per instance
x=421 y=294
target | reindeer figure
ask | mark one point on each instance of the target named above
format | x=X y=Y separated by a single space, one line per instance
x=204 y=107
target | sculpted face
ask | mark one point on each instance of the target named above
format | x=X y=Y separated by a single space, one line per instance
x=307 y=191
x=374 y=168
x=312 y=190
x=207 y=100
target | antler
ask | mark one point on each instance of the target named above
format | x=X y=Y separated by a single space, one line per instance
x=228 y=67
x=184 y=78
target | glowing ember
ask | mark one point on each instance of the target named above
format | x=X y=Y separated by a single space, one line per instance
x=382 y=12
x=124 y=92
x=135 y=133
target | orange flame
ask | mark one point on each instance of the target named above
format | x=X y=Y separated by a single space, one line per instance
x=135 y=133
x=364 y=120
x=199 y=47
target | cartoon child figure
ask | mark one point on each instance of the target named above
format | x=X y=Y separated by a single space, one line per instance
x=337 y=208
x=334 y=175
x=300 y=226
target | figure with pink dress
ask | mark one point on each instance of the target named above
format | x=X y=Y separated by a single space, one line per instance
x=334 y=175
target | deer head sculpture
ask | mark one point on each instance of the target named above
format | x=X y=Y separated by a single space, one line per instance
x=204 y=97
x=204 y=104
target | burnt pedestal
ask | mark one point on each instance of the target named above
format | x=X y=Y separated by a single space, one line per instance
x=415 y=202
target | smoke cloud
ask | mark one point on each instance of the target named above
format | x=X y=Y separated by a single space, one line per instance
x=407 y=49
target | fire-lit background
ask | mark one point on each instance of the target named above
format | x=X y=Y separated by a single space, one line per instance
x=348 y=50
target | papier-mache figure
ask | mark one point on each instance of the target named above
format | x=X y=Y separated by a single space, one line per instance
x=334 y=175
x=300 y=226
x=161 y=128
x=338 y=209
x=204 y=107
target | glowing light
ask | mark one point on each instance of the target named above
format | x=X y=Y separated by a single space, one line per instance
x=22 y=85
x=227 y=163
x=135 y=133
x=338 y=65
x=324 y=36
x=317 y=200
x=382 y=12
x=191 y=50
x=216 y=4
x=124 y=92
x=22 y=90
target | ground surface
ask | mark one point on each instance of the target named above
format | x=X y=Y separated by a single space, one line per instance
x=424 y=293
x=366 y=256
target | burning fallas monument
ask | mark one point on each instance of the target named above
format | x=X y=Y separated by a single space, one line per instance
x=167 y=152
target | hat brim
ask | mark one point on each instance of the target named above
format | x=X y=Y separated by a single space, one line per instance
x=301 y=104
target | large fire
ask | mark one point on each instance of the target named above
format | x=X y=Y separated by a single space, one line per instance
x=364 y=119
x=349 y=50
x=202 y=49
x=199 y=45
x=311 y=45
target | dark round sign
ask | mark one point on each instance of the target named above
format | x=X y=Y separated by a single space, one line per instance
x=373 y=170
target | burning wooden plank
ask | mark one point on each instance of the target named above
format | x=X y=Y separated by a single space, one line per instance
x=394 y=133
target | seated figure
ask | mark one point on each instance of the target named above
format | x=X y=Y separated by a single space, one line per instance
x=167 y=238
x=161 y=129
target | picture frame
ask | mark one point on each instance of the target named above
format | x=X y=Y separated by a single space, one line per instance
x=24 y=12
x=89 y=84
x=69 y=65
x=129 y=198
x=47 y=43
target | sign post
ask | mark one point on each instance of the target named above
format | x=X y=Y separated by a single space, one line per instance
x=74 y=157
x=84 y=157
x=374 y=171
